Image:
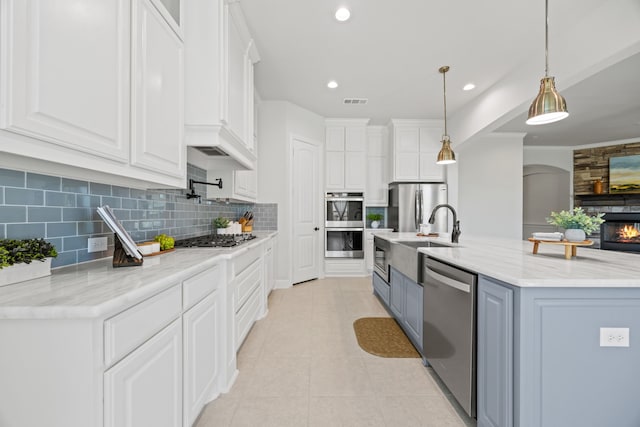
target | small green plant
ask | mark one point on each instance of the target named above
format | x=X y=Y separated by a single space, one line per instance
x=374 y=217
x=221 y=222
x=166 y=242
x=24 y=251
x=576 y=218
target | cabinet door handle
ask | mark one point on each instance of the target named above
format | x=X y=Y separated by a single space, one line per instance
x=316 y=229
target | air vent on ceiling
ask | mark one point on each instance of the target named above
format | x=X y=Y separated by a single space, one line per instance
x=355 y=101
x=212 y=151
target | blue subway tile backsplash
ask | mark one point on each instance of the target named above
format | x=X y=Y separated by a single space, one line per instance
x=75 y=186
x=12 y=178
x=43 y=214
x=22 y=196
x=13 y=213
x=43 y=182
x=55 y=198
x=25 y=231
x=63 y=211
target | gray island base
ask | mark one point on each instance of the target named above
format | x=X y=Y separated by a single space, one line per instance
x=545 y=353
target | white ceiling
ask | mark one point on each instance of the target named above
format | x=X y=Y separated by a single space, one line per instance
x=390 y=52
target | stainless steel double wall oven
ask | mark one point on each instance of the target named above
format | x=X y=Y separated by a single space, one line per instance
x=344 y=225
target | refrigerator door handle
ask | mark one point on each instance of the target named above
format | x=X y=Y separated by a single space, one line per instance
x=419 y=199
x=417 y=209
x=421 y=214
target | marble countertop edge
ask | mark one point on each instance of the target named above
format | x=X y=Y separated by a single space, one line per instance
x=97 y=290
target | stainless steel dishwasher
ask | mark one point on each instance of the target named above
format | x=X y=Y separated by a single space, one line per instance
x=449 y=341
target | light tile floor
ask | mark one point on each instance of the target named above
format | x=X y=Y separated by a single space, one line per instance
x=302 y=366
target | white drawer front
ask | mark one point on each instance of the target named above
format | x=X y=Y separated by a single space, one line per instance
x=127 y=330
x=197 y=287
x=242 y=262
x=246 y=317
x=247 y=282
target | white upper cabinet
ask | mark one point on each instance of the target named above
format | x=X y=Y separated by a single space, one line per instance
x=237 y=185
x=93 y=86
x=157 y=102
x=345 y=154
x=416 y=144
x=62 y=86
x=376 y=193
x=219 y=91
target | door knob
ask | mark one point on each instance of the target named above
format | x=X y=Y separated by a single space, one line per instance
x=316 y=229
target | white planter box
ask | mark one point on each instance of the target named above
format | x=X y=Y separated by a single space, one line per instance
x=21 y=272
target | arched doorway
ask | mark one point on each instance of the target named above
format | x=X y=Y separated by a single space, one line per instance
x=545 y=189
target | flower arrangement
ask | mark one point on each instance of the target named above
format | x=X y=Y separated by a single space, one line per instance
x=576 y=219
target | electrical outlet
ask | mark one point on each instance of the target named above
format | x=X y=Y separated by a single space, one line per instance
x=614 y=337
x=96 y=244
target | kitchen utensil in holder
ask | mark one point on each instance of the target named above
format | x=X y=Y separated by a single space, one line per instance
x=120 y=256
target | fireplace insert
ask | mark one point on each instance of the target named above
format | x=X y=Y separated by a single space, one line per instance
x=620 y=232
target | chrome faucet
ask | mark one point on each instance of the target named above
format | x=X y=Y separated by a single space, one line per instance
x=455 y=233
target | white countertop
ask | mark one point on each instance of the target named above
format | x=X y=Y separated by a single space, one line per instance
x=513 y=261
x=96 y=289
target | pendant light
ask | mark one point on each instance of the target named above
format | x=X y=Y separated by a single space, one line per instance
x=446 y=155
x=549 y=106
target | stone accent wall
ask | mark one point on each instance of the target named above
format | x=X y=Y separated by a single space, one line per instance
x=590 y=164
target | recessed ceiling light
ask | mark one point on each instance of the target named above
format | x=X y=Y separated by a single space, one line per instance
x=469 y=86
x=342 y=14
x=332 y=84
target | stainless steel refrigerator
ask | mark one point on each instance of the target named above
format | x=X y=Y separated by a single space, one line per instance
x=411 y=203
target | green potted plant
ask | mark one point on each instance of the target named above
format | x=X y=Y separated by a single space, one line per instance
x=17 y=256
x=577 y=224
x=375 y=219
x=220 y=223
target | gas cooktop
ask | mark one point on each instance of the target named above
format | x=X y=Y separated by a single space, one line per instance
x=214 y=241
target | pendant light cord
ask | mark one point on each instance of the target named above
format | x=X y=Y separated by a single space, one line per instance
x=546 y=38
x=444 y=70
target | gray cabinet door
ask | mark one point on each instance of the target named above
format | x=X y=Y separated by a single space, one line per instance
x=381 y=288
x=495 y=354
x=396 y=295
x=413 y=311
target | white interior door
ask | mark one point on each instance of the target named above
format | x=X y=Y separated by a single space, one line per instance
x=304 y=205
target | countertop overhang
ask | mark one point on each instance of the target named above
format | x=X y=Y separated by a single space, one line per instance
x=96 y=289
x=512 y=261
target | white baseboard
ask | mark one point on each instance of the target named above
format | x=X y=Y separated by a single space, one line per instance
x=282 y=284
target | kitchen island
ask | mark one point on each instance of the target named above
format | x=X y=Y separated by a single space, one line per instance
x=93 y=345
x=545 y=353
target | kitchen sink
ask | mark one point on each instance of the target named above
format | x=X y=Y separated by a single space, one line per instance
x=405 y=257
x=424 y=244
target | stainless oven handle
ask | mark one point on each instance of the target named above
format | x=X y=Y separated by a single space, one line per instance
x=343 y=229
x=345 y=199
x=448 y=281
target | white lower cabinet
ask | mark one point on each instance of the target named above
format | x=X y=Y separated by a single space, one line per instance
x=201 y=355
x=269 y=271
x=145 y=388
x=337 y=267
x=156 y=363
x=248 y=291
